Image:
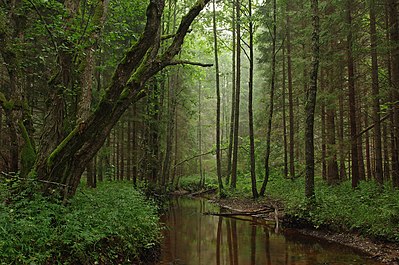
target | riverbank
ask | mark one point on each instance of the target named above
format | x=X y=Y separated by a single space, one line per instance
x=386 y=252
x=366 y=219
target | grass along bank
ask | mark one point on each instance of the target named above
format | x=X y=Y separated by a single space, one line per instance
x=111 y=224
x=367 y=210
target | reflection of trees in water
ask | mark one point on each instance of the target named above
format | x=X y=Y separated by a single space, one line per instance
x=253 y=242
x=219 y=240
x=194 y=239
x=267 y=246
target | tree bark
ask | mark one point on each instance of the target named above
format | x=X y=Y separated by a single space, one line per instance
x=67 y=160
x=311 y=102
x=284 y=116
x=332 y=166
x=352 y=99
x=375 y=92
x=199 y=132
x=237 y=97
x=233 y=95
x=290 y=101
x=218 y=152
x=394 y=53
x=271 y=104
x=323 y=130
x=250 y=103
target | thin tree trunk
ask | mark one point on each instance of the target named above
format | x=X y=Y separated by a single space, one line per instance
x=218 y=152
x=134 y=146
x=369 y=172
x=290 y=100
x=342 y=151
x=122 y=149
x=311 y=102
x=323 y=130
x=284 y=118
x=375 y=91
x=237 y=99
x=387 y=172
x=129 y=150
x=352 y=99
x=359 y=139
x=394 y=52
x=199 y=131
x=250 y=102
x=271 y=105
x=332 y=166
x=233 y=95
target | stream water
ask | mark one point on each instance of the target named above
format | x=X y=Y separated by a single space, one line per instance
x=192 y=238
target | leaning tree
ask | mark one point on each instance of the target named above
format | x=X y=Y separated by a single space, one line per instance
x=62 y=157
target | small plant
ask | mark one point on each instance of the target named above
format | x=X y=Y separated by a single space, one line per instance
x=113 y=223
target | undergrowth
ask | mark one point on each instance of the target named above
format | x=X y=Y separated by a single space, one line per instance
x=111 y=224
x=367 y=210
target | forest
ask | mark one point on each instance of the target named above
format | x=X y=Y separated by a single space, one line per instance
x=109 y=106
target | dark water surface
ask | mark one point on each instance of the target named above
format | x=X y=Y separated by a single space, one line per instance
x=192 y=238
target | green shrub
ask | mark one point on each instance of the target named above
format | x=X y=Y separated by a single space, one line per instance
x=368 y=209
x=111 y=223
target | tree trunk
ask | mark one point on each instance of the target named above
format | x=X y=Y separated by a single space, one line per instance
x=218 y=152
x=250 y=102
x=134 y=146
x=323 y=130
x=331 y=154
x=394 y=52
x=290 y=100
x=369 y=172
x=237 y=98
x=352 y=100
x=375 y=92
x=284 y=117
x=387 y=172
x=199 y=132
x=67 y=160
x=342 y=149
x=122 y=149
x=359 y=139
x=310 y=104
x=271 y=105
x=233 y=95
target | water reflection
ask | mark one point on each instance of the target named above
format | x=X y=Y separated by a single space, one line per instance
x=196 y=239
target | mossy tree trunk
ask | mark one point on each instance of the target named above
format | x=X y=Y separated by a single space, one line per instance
x=67 y=161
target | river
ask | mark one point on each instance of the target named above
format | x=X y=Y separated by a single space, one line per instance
x=192 y=238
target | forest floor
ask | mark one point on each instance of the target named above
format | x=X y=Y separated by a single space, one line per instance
x=271 y=209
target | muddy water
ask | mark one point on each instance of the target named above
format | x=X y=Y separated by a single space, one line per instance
x=192 y=238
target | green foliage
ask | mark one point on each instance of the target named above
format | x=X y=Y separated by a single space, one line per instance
x=367 y=210
x=105 y=225
x=192 y=183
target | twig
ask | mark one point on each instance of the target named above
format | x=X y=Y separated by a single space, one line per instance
x=195 y=156
x=45 y=25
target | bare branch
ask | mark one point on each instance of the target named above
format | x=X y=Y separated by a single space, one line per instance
x=45 y=25
x=183 y=62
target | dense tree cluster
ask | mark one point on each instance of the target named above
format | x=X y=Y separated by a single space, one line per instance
x=298 y=89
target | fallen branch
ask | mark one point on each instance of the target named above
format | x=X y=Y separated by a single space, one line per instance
x=250 y=213
x=265 y=208
x=195 y=156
